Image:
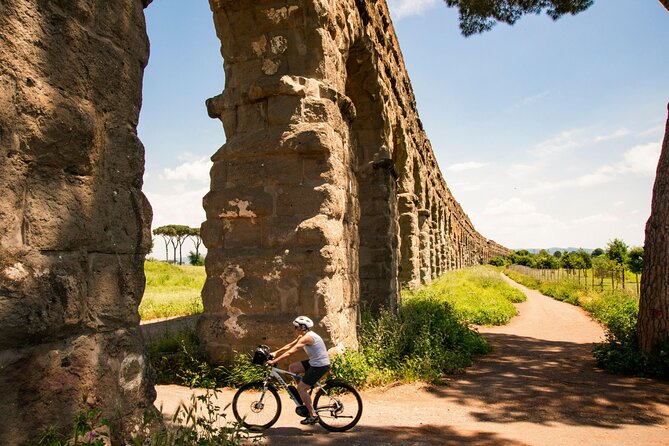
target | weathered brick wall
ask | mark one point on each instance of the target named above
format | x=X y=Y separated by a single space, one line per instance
x=74 y=224
x=327 y=196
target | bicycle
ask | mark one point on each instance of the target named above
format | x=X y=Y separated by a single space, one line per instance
x=257 y=405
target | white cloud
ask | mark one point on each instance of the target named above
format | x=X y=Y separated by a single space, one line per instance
x=656 y=131
x=522 y=170
x=614 y=135
x=195 y=170
x=641 y=159
x=460 y=167
x=565 y=141
x=516 y=223
x=527 y=101
x=405 y=8
x=177 y=208
x=596 y=218
x=603 y=175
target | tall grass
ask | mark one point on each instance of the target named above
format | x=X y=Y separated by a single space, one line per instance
x=478 y=295
x=171 y=290
x=429 y=336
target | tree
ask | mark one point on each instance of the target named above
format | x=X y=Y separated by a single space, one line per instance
x=585 y=257
x=616 y=250
x=653 y=324
x=167 y=233
x=477 y=16
x=557 y=254
x=181 y=233
x=194 y=234
x=597 y=252
x=497 y=261
x=546 y=261
x=602 y=267
x=635 y=263
x=522 y=257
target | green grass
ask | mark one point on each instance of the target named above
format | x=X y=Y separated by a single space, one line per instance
x=478 y=295
x=171 y=290
x=430 y=336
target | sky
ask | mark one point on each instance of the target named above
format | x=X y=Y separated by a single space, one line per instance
x=547 y=132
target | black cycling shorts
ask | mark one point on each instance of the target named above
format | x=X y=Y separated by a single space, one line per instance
x=313 y=374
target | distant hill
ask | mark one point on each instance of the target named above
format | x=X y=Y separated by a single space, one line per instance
x=553 y=250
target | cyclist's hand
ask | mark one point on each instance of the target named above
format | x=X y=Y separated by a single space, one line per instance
x=271 y=361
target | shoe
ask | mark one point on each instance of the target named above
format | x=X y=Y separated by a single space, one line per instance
x=310 y=420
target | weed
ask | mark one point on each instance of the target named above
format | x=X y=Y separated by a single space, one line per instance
x=88 y=429
x=202 y=422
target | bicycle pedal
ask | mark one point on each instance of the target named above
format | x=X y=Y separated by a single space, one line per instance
x=302 y=411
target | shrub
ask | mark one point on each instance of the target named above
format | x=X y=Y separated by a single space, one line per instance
x=423 y=341
x=195 y=259
x=565 y=290
x=497 y=261
x=201 y=422
x=180 y=359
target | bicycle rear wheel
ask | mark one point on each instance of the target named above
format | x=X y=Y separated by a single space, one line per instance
x=256 y=406
x=338 y=405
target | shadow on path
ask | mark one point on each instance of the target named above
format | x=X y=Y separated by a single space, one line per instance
x=539 y=381
x=375 y=435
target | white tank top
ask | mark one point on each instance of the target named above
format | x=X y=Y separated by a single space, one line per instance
x=318 y=354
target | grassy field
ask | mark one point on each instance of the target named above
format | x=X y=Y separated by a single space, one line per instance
x=478 y=295
x=583 y=278
x=171 y=290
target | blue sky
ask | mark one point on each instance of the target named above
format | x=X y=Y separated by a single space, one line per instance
x=547 y=133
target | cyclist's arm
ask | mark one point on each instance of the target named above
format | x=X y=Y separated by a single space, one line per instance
x=297 y=344
x=285 y=347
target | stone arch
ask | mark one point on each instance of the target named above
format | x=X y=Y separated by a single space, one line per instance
x=298 y=185
x=372 y=149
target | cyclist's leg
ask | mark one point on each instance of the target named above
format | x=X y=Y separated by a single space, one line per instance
x=311 y=377
x=298 y=368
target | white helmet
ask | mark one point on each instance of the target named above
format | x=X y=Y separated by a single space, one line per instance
x=303 y=323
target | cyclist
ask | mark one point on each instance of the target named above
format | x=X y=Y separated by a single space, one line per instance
x=312 y=369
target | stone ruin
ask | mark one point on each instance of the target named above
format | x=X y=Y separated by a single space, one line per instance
x=325 y=199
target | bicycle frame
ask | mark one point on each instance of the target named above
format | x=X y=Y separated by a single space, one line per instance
x=276 y=374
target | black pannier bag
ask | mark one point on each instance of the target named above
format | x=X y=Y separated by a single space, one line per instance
x=261 y=354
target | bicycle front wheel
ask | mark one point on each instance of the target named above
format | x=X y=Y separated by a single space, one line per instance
x=256 y=406
x=338 y=405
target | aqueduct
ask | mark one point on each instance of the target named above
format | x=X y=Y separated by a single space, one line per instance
x=325 y=198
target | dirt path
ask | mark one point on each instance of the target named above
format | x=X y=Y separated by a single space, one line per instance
x=538 y=387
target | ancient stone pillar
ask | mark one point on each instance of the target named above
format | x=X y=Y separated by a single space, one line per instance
x=282 y=214
x=74 y=224
x=410 y=243
x=425 y=246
